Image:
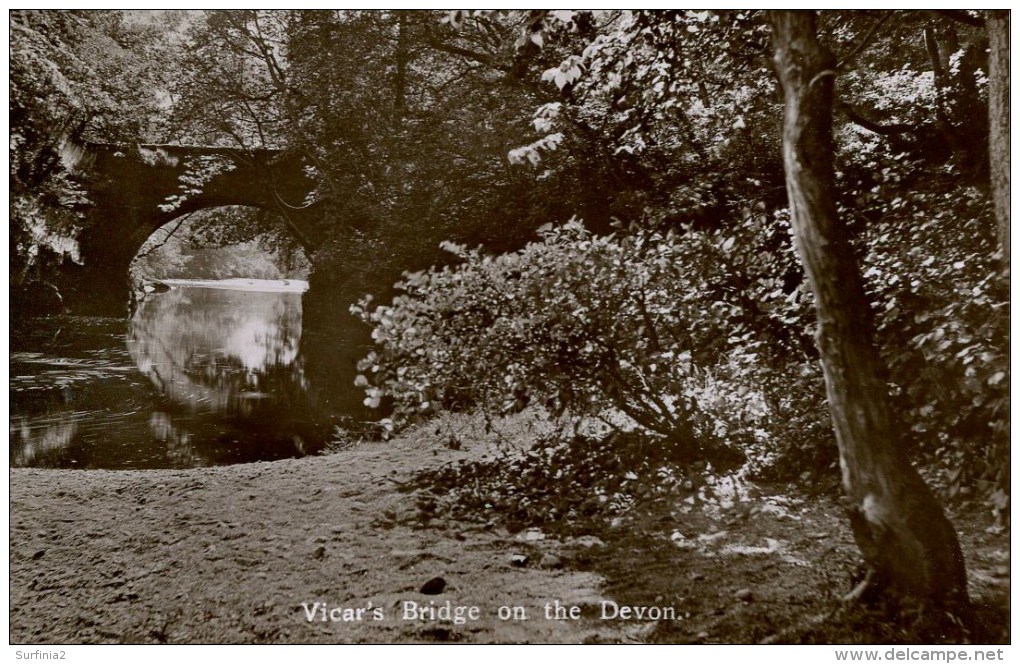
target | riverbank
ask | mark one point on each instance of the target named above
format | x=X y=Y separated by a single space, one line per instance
x=230 y=554
x=248 y=553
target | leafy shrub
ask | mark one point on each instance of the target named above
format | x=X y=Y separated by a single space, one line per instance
x=704 y=338
x=579 y=324
x=801 y=444
x=942 y=317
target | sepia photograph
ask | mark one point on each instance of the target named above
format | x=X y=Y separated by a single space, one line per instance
x=361 y=326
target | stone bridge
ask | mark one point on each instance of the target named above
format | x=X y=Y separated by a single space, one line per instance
x=133 y=190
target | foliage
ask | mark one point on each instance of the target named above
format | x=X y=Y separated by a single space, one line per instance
x=644 y=325
x=943 y=321
x=75 y=75
x=562 y=483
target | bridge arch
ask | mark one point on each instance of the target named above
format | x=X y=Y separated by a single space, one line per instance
x=133 y=191
x=186 y=248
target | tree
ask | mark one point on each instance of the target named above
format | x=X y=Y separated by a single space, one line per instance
x=899 y=526
x=998 y=112
x=74 y=76
x=231 y=87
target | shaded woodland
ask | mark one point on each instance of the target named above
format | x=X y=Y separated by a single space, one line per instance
x=703 y=244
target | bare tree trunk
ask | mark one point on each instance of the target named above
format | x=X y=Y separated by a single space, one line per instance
x=898 y=523
x=998 y=117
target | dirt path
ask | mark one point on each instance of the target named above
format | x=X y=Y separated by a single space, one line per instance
x=228 y=555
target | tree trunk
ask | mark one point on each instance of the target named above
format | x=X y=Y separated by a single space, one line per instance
x=898 y=523
x=998 y=117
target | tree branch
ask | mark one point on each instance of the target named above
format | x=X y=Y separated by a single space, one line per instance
x=884 y=130
x=167 y=238
x=302 y=239
x=474 y=56
x=960 y=16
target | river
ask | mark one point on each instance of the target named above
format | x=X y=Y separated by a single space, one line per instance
x=208 y=373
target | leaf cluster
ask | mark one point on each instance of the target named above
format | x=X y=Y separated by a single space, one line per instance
x=562 y=484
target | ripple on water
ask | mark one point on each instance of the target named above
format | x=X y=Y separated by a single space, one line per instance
x=36 y=371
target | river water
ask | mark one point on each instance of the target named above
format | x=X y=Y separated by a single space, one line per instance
x=208 y=373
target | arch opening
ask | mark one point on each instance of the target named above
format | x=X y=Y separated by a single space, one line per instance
x=225 y=242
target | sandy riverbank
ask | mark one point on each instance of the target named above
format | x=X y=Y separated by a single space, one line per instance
x=230 y=554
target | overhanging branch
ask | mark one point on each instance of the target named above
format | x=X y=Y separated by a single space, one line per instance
x=168 y=236
x=885 y=130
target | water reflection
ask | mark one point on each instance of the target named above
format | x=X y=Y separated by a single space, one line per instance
x=229 y=358
x=225 y=351
x=33 y=443
x=208 y=377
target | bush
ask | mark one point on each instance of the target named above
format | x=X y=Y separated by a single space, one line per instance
x=942 y=318
x=580 y=324
x=703 y=338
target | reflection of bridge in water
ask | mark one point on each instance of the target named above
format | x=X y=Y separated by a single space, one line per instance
x=231 y=355
x=219 y=350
